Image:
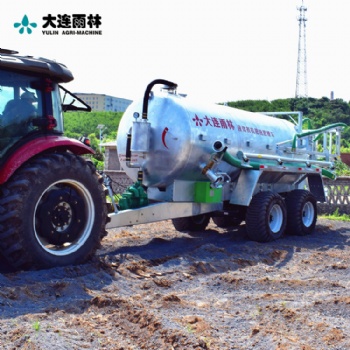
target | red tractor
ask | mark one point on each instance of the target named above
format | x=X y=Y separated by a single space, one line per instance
x=52 y=202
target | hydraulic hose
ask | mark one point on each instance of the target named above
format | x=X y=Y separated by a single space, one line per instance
x=128 y=148
x=148 y=90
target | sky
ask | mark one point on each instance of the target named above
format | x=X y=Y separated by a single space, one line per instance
x=215 y=50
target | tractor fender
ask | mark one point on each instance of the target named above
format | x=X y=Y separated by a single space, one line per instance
x=37 y=146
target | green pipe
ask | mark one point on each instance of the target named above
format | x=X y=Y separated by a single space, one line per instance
x=238 y=163
x=308 y=122
x=256 y=166
x=329 y=174
x=318 y=137
x=313 y=132
x=233 y=161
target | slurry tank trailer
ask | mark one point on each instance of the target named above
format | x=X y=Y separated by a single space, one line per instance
x=189 y=162
x=194 y=162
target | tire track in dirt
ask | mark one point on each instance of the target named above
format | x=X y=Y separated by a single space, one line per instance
x=151 y=287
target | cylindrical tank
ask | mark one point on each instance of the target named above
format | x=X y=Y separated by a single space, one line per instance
x=182 y=134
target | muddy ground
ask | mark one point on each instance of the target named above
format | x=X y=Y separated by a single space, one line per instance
x=151 y=287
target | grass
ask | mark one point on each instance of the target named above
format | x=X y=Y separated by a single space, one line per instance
x=336 y=216
x=36 y=326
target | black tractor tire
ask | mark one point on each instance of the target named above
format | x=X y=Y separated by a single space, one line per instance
x=191 y=223
x=52 y=212
x=301 y=212
x=266 y=217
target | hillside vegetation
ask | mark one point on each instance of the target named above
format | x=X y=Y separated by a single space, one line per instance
x=77 y=124
x=320 y=112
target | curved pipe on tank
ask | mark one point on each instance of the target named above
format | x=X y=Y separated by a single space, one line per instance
x=221 y=153
x=148 y=90
x=314 y=132
x=238 y=163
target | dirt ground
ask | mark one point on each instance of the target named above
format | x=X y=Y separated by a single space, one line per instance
x=151 y=287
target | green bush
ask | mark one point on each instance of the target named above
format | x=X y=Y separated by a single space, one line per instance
x=341 y=169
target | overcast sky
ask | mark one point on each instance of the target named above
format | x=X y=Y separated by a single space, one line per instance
x=217 y=50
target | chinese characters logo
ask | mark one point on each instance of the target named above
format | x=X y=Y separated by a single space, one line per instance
x=72 y=21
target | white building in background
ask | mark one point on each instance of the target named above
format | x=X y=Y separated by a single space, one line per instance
x=100 y=102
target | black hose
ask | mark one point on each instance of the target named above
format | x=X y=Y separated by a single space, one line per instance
x=128 y=148
x=148 y=90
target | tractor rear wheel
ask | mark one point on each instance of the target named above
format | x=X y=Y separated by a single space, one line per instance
x=53 y=212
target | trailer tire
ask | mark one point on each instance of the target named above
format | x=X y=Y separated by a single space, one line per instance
x=191 y=223
x=301 y=213
x=53 y=212
x=266 y=217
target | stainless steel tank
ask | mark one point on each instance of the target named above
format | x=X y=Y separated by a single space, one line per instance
x=180 y=135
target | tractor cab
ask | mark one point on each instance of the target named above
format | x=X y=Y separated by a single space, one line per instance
x=31 y=105
x=24 y=109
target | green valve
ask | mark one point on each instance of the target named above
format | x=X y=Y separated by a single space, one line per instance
x=134 y=197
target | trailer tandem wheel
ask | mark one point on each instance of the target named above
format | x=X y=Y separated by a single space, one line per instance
x=301 y=212
x=266 y=217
